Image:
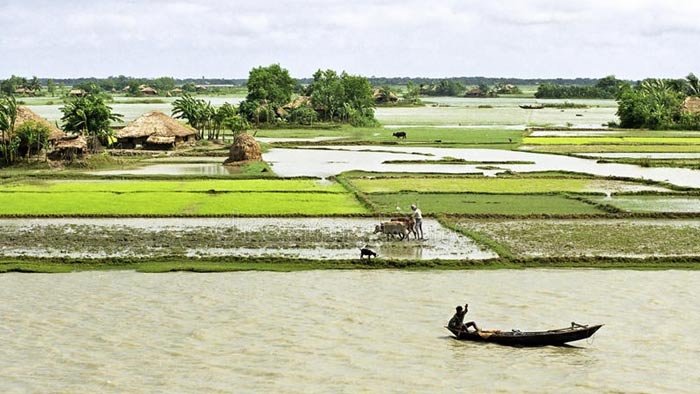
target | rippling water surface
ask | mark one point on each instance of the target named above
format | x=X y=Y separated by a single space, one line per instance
x=344 y=331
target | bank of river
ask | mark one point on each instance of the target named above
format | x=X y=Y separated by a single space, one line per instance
x=344 y=331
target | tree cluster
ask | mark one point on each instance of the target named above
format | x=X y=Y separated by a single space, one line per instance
x=207 y=119
x=606 y=88
x=19 y=141
x=329 y=97
x=658 y=104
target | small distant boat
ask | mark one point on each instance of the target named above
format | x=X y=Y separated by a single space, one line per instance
x=556 y=337
x=531 y=106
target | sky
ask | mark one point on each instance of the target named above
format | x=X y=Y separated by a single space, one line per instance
x=631 y=39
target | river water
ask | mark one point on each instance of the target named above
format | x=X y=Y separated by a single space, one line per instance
x=344 y=331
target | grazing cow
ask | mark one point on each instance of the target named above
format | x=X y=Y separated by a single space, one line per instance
x=400 y=134
x=392 y=229
x=410 y=225
x=367 y=252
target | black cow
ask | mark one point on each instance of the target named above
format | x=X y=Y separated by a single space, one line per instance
x=367 y=252
x=400 y=134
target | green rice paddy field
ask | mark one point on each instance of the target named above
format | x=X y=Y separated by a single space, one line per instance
x=176 y=198
x=530 y=238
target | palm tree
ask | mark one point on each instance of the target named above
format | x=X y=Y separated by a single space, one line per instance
x=8 y=117
x=197 y=112
x=693 y=85
x=89 y=116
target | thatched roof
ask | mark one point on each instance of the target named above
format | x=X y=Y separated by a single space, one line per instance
x=691 y=105
x=298 y=102
x=157 y=124
x=158 y=140
x=24 y=114
x=148 y=90
x=77 y=92
x=378 y=96
x=75 y=141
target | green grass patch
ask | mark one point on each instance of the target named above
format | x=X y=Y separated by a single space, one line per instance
x=482 y=204
x=202 y=185
x=179 y=198
x=611 y=140
x=471 y=185
x=567 y=149
x=153 y=203
x=423 y=135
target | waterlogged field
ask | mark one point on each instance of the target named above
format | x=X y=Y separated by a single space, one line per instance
x=501 y=115
x=307 y=238
x=498 y=185
x=652 y=203
x=482 y=204
x=177 y=198
x=637 y=238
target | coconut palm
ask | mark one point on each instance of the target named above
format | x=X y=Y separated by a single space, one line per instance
x=8 y=117
x=693 y=85
x=89 y=116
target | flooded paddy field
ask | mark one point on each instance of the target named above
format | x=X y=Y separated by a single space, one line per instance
x=306 y=238
x=332 y=160
x=496 y=115
x=637 y=238
x=653 y=203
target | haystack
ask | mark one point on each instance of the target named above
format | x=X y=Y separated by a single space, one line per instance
x=155 y=130
x=244 y=148
x=691 y=105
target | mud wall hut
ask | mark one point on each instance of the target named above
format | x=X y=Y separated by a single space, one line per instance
x=155 y=131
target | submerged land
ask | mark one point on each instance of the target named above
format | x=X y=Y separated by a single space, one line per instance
x=314 y=199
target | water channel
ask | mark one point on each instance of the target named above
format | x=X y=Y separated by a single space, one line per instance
x=344 y=331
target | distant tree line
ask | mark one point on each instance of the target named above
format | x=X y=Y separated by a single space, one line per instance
x=658 y=104
x=605 y=88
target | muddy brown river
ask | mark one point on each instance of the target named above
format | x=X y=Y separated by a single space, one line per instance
x=344 y=331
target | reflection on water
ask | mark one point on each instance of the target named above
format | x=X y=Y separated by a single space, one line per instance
x=344 y=331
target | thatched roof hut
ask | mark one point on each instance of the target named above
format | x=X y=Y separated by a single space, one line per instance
x=244 y=148
x=69 y=148
x=155 y=130
x=691 y=105
x=24 y=114
x=384 y=97
x=77 y=93
x=148 y=91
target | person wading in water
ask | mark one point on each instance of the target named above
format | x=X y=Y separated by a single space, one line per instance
x=417 y=216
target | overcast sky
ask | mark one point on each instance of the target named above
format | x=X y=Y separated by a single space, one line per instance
x=632 y=39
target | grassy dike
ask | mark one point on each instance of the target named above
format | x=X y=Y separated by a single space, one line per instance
x=235 y=264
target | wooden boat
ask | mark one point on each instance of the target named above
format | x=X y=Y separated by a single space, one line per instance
x=531 y=106
x=556 y=337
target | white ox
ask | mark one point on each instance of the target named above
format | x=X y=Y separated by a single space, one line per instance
x=392 y=229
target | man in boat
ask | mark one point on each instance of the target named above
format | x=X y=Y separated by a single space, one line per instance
x=457 y=321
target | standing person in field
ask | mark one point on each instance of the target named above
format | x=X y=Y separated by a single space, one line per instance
x=417 y=216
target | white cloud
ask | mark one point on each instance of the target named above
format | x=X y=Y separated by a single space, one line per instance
x=534 y=38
